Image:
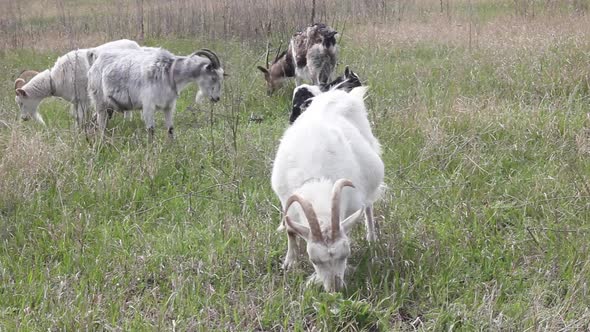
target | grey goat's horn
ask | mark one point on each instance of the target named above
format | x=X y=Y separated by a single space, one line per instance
x=209 y=55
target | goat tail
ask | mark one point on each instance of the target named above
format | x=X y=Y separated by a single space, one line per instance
x=359 y=92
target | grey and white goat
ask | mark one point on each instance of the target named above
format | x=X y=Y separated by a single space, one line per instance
x=150 y=80
x=67 y=79
x=329 y=162
x=311 y=55
x=302 y=94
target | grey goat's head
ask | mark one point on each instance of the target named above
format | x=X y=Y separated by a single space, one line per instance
x=210 y=78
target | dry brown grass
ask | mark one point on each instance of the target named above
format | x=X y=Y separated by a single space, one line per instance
x=59 y=24
x=499 y=34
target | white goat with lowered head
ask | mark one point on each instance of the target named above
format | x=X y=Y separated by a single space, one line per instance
x=329 y=162
x=67 y=79
x=150 y=80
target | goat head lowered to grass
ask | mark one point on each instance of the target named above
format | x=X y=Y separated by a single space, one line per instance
x=328 y=251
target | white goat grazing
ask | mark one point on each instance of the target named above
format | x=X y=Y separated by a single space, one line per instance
x=66 y=79
x=150 y=80
x=329 y=148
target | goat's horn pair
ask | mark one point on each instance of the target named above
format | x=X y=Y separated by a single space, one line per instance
x=211 y=56
x=336 y=191
x=312 y=218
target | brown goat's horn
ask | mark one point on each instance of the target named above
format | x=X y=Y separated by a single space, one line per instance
x=278 y=53
x=312 y=219
x=211 y=56
x=336 y=191
x=19 y=83
x=267 y=53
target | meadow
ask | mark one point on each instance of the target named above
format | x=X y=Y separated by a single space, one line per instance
x=483 y=112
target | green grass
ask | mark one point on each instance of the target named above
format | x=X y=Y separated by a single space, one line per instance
x=484 y=225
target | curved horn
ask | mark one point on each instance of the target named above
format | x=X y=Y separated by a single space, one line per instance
x=336 y=191
x=267 y=53
x=19 y=83
x=278 y=53
x=211 y=56
x=312 y=218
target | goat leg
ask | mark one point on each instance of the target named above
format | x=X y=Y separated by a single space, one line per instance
x=168 y=115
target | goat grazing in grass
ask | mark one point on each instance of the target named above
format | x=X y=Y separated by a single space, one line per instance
x=22 y=79
x=150 y=80
x=302 y=94
x=311 y=55
x=329 y=162
x=67 y=79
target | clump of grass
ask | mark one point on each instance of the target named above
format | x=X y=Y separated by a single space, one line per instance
x=26 y=167
x=335 y=313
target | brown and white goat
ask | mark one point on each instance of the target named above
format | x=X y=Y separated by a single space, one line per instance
x=311 y=55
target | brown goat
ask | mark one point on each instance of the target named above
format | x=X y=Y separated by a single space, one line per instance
x=311 y=55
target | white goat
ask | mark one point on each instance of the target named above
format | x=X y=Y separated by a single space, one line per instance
x=329 y=147
x=66 y=79
x=150 y=80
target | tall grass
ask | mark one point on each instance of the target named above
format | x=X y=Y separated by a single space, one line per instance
x=29 y=23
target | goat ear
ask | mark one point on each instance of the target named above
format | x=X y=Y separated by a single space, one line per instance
x=226 y=75
x=346 y=72
x=347 y=224
x=301 y=230
x=306 y=104
x=20 y=92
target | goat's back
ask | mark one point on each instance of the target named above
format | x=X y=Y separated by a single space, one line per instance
x=326 y=142
x=69 y=75
x=124 y=78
